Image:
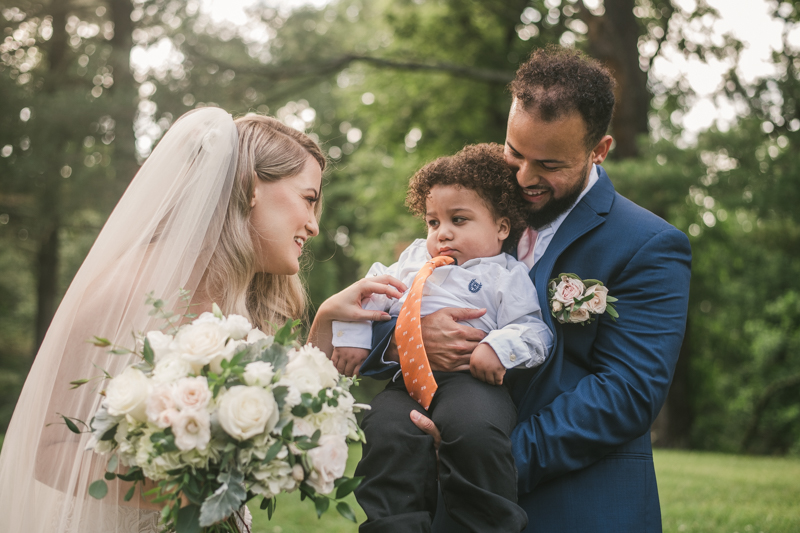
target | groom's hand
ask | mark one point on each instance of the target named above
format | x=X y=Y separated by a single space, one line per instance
x=448 y=343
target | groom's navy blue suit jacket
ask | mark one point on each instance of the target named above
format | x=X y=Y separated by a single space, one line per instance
x=582 y=441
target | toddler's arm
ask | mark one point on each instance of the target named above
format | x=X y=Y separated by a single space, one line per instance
x=522 y=339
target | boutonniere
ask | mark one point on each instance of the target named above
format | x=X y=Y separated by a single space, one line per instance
x=575 y=301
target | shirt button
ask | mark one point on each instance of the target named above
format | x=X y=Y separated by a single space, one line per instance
x=512 y=356
x=339 y=333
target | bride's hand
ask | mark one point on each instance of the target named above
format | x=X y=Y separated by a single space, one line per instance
x=346 y=305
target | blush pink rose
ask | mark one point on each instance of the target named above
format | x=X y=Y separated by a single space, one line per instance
x=568 y=290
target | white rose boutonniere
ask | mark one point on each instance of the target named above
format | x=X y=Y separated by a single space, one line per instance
x=577 y=301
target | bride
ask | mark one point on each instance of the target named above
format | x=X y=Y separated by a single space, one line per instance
x=222 y=208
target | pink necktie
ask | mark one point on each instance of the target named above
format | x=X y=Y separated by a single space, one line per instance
x=526 y=246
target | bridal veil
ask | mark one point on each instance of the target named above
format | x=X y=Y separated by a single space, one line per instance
x=158 y=239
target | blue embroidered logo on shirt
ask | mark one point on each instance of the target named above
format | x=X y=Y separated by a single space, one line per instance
x=474 y=286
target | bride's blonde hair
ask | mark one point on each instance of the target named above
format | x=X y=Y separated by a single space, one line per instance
x=270 y=151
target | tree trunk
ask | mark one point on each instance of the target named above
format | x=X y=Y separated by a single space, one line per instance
x=49 y=213
x=123 y=91
x=614 y=40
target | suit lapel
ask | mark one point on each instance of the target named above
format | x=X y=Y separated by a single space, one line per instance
x=585 y=216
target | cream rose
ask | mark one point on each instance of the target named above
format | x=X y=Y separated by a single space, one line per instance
x=328 y=460
x=237 y=326
x=310 y=370
x=126 y=394
x=226 y=355
x=568 y=290
x=256 y=335
x=199 y=344
x=192 y=429
x=192 y=393
x=160 y=343
x=258 y=373
x=160 y=406
x=171 y=368
x=580 y=314
x=247 y=411
x=557 y=306
x=597 y=305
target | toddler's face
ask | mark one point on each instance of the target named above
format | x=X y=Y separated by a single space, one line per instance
x=461 y=226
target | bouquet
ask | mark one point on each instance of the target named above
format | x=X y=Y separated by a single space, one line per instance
x=575 y=301
x=216 y=413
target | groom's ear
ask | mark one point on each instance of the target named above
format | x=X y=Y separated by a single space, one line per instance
x=600 y=151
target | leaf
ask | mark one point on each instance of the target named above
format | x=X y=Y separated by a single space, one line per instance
x=110 y=476
x=345 y=510
x=611 y=299
x=321 y=504
x=299 y=411
x=275 y=355
x=71 y=425
x=280 y=394
x=611 y=311
x=264 y=503
x=225 y=500
x=147 y=352
x=348 y=486
x=112 y=463
x=188 y=520
x=273 y=451
x=306 y=444
x=129 y=494
x=271 y=509
x=284 y=336
x=100 y=342
x=78 y=382
x=286 y=433
x=98 y=489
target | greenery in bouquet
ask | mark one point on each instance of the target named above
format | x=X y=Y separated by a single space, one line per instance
x=216 y=413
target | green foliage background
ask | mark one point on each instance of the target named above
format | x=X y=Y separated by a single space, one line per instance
x=386 y=86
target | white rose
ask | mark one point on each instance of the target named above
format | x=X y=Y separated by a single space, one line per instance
x=597 y=305
x=310 y=370
x=160 y=406
x=258 y=373
x=578 y=315
x=297 y=473
x=237 y=326
x=328 y=460
x=171 y=368
x=247 y=411
x=256 y=335
x=207 y=318
x=192 y=429
x=568 y=290
x=200 y=343
x=192 y=393
x=126 y=394
x=215 y=365
x=557 y=306
x=160 y=343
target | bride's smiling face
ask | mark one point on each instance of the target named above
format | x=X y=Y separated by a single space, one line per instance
x=283 y=218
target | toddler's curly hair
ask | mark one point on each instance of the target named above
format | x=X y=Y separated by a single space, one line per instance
x=478 y=167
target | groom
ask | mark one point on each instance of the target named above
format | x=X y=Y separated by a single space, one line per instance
x=582 y=440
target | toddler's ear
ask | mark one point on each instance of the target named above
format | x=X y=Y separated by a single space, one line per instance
x=503 y=228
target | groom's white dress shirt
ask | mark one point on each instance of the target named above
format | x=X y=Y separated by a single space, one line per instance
x=546 y=233
x=500 y=284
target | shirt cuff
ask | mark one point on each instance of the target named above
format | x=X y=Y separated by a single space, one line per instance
x=352 y=334
x=511 y=350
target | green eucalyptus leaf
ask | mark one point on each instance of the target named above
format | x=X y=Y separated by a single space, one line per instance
x=147 y=352
x=98 y=489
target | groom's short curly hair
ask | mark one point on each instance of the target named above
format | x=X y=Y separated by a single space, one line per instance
x=478 y=167
x=557 y=81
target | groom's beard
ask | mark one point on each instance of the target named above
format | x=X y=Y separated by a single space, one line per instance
x=557 y=206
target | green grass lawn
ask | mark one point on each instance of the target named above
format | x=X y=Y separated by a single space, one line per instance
x=710 y=492
x=700 y=493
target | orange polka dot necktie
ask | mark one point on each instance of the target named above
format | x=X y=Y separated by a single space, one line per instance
x=414 y=363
